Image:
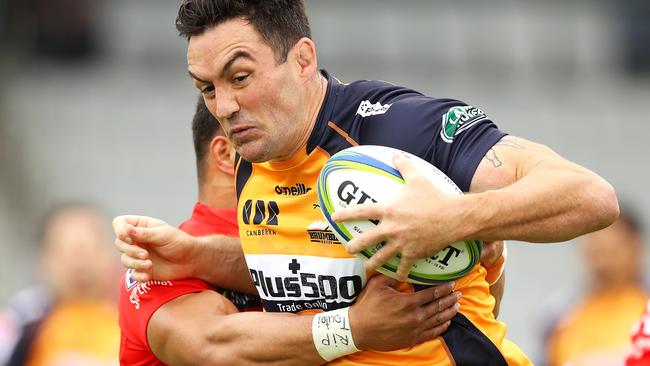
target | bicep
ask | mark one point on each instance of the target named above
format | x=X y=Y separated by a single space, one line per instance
x=509 y=160
x=175 y=332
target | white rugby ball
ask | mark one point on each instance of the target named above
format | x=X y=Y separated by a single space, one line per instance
x=364 y=174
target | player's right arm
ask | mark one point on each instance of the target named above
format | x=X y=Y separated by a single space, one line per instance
x=201 y=328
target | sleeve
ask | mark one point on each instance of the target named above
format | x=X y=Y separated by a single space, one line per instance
x=448 y=133
x=139 y=301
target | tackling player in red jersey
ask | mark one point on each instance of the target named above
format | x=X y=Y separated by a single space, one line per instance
x=142 y=303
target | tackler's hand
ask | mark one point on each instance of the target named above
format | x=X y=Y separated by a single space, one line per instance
x=153 y=248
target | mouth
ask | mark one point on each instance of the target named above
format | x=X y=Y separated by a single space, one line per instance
x=239 y=129
x=241 y=132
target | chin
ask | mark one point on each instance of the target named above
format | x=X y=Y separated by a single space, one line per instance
x=253 y=155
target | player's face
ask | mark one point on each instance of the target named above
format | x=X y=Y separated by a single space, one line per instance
x=256 y=100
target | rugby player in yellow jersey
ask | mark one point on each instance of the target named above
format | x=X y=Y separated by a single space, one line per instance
x=257 y=68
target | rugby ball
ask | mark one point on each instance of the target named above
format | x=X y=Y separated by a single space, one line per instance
x=365 y=174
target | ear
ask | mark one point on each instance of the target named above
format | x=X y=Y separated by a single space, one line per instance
x=306 y=59
x=223 y=155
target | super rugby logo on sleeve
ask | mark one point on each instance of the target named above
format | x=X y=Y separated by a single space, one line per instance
x=293 y=283
x=458 y=119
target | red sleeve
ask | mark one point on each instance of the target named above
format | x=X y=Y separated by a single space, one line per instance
x=138 y=301
x=640 y=353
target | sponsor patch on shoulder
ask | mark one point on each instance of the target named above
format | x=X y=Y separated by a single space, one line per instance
x=458 y=119
x=366 y=108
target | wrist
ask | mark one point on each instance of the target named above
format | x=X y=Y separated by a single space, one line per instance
x=476 y=213
x=196 y=257
x=357 y=327
x=332 y=334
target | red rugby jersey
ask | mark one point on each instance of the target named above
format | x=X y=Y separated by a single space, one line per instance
x=640 y=354
x=138 y=301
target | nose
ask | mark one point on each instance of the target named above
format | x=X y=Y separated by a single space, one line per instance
x=226 y=104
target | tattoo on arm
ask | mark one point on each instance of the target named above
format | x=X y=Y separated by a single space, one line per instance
x=510 y=141
x=507 y=141
x=491 y=155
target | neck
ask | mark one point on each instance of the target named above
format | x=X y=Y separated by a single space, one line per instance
x=218 y=194
x=315 y=97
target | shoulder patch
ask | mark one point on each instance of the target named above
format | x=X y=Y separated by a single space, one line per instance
x=366 y=108
x=458 y=119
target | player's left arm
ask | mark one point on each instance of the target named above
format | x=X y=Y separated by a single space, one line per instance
x=521 y=190
x=527 y=192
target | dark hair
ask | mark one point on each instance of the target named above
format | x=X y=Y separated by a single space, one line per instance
x=204 y=128
x=281 y=23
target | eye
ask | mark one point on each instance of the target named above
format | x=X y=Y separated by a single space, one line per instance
x=207 y=89
x=240 y=78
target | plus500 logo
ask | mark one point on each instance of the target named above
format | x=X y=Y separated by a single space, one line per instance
x=308 y=285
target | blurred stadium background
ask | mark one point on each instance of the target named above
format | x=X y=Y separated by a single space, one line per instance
x=95 y=104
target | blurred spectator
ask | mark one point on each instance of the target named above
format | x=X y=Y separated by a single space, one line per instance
x=593 y=328
x=72 y=320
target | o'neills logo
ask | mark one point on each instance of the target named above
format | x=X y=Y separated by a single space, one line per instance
x=297 y=190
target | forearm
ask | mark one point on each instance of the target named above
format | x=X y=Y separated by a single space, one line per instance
x=219 y=260
x=563 y=207
x=263 y=339
x=205 y=329
x=543 y=198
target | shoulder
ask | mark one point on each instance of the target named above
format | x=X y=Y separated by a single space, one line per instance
x=380 y=113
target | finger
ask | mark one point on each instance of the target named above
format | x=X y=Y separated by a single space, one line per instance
x=382 y=256
x=440 y=317
x=131 y=250
x=381 y=280
x=436 y=307
x=405 y=165
x=404 y=268
x=136 y=220
x=118 y=223
x=434 y=332
x=150 y=236
x=366 y=240
x=433 y=293
x=359 y=212
x=141 y=276
x=119 y=227
x=491 y=252
x=136 y=264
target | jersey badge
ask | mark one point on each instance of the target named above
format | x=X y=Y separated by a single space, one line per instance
x=458 y=119
x=368 y=109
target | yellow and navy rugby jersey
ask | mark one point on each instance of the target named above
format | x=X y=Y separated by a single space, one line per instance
x=296 y=262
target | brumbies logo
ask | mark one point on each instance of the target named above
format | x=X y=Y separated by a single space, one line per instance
x=458 y=119
x=319 y=232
